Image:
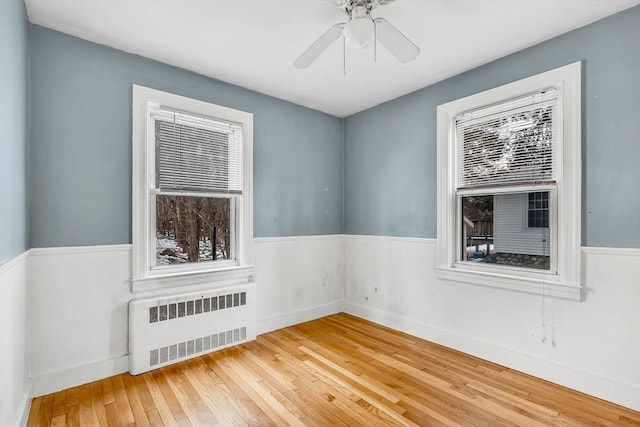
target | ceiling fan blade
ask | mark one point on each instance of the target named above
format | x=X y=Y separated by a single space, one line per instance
x=319 y=46
x=395 y=42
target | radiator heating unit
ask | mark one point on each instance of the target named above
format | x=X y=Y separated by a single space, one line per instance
x=172 y=328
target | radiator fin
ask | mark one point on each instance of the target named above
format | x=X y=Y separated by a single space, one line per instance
x=181 y=350
x=172 y=311
x=170 y=328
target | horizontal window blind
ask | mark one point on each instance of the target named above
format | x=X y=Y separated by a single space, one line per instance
x=197 y=154
x=506 y=144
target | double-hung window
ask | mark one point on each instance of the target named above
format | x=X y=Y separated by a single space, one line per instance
x=509 y=185
x=191 y=192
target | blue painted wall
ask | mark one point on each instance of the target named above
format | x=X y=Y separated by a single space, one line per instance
x=390 y=150
x=13 y=122
x=80 y=146
x=80 y=143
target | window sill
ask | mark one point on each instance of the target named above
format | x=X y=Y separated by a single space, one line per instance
x=532 y=285
x=218 y=277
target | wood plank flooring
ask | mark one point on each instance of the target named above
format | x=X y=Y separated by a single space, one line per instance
x=339 y=370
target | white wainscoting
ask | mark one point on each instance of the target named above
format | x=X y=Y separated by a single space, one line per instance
x=298 y=279
x=78 y=300
x=78 y=309
x=590 y=345
x=14 y=356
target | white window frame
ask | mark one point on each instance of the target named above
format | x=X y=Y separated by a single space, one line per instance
x=563 y=280
x=216 y=273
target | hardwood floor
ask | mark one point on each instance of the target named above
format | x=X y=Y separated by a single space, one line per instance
x=339 y=370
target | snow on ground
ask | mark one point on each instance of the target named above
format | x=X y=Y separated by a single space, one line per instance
x=481 y=248
x=169 y=252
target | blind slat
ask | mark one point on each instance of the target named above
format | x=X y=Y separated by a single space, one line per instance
x=509 y=146
x=197 y=154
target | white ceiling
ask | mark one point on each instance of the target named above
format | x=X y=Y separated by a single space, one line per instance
x=252 y=43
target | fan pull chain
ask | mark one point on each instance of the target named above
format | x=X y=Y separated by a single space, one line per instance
x=375 y=41
x=344 y=55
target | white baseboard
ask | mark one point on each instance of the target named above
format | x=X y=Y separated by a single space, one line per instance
x=304 y=277
x=299 y=278
x=26 y=408
x=300 y=316
x=56 y=381
x=60 y=380
x=623 y=394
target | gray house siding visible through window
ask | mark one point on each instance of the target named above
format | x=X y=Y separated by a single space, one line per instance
x=510 y=227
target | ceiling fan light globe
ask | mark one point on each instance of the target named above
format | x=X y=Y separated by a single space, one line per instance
x=359 y=32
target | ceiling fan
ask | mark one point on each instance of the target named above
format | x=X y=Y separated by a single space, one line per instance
x=359 y=31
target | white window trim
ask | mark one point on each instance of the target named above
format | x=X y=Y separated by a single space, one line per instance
x=566 y=282
x=216 y=273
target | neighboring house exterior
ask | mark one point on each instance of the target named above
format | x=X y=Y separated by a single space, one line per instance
x=516 y=231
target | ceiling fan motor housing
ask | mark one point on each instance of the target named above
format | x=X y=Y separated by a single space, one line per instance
x=359 y=31
x=350 y=5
